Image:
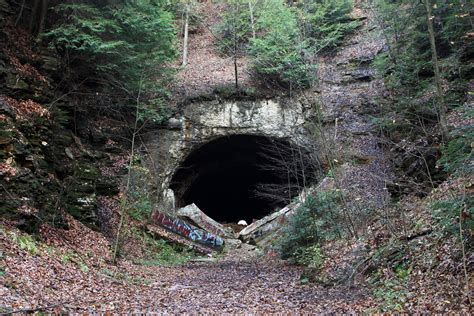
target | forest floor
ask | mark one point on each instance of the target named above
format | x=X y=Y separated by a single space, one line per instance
x=207 y=69
x=70 y=271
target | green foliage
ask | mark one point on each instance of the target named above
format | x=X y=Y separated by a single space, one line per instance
x=317 y=220
x=278 y=53
x=234 y=31
x=407 y=63
x=142 y=195
x=121 y=45
x=392 y=293
x=391 y=296
x=457 y=154
x=164 y=253
x=310 y=256
x=287 y=36
x=325 y=23
x=403 y=271
x=141 y=207
x=447 y=213
x=26 y=242
x=72 y=256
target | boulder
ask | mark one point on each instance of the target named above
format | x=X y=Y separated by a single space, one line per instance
x=193 y=214
x=181 y=227
x=259 y=229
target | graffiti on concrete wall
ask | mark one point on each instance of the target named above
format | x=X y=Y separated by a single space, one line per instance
x=184 y=229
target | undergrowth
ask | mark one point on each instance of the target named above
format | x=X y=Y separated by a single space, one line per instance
x=161 y=252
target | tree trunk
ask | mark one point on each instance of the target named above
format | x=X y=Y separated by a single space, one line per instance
x=34 y=16
x=441 y=103
x=252 y=21
x=20 y=14
x=38 y=17
x=43 y=14
x=235 y=47
x=235 y=70
x=185 y=40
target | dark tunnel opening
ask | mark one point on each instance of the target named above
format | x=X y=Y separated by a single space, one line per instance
x=242 y=177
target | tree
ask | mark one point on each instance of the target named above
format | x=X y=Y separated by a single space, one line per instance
x=186 y=7
x=235 y=31
x=428 y=44
x=325 y=23
x=38 y=16
x=116 y=44
x=439 y=89
x=277 y=54
x=252 y=4
x=185 y=39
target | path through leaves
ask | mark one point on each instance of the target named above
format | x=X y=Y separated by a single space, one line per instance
x=60 y=279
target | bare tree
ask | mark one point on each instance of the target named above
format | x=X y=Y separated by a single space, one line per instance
x=441 y=102
x=252 y=18
x=295 y=166
x=185 y=36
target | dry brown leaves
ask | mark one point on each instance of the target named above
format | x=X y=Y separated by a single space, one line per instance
x=53 y=276
x=206 y=68
x=6 y=169
x=27 y=109
x=25 y=70
x=20 y=40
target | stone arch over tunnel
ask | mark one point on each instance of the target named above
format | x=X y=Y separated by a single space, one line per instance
x=242 y=176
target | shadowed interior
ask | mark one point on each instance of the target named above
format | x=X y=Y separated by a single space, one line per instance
x=222 y=177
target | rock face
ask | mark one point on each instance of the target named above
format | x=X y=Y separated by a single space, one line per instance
x=203 y=122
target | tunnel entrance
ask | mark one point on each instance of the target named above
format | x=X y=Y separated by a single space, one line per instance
x=242 y=177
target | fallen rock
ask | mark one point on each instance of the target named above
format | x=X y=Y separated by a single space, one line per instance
x=232 y=244
x=181 y=227
x=197 y=217
x=172 y=237
x=174 y=123
x=264 y=226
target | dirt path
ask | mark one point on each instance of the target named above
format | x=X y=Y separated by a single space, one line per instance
x=248 y=287
x=239 y=283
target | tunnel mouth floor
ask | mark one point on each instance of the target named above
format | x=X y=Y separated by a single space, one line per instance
x=239 y=177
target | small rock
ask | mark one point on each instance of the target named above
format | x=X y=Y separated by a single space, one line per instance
x=174 y=123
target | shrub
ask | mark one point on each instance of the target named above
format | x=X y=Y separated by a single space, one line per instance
x=161 y=252
x=447 y=213
x=310 y=256
x=317 y=220
x=26 y=242
x=326 y=22
x=277 y=53
x=121 y=46
x=457 y=152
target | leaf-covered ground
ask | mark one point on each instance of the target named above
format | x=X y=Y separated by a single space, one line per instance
x=207 y=69
x=68 y=271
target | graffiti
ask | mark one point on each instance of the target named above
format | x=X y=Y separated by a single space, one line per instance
x=184 y=229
